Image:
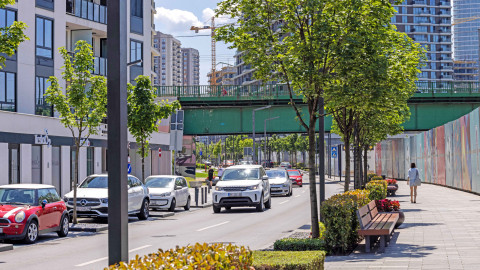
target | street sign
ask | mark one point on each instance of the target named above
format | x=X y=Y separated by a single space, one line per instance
x=201 y=153
x=159 y=152
x=129 y=167
x=334 y=152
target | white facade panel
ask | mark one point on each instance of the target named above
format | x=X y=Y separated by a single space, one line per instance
x=4 y=163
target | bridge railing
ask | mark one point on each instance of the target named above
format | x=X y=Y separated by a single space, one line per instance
x=457 y=87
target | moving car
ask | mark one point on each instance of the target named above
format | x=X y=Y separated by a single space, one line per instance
x=168 y=192
x=242 y=185
x=296 y=176
x=246 y=162
x=280 y=183
x=28 y=210
x=92 y=197
x=286 y=165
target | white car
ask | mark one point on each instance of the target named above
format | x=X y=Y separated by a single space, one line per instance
x=242 y=185
x=92 y=197
x=168 y=192
x=280 y=183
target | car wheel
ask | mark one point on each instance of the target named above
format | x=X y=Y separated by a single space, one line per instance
x=32 y=232
x=144 y=212
x=301 y=185
x=261 y=205
x=216 y=209
x=172 y=205
x=268 y=204
x=63 y=227
x=187 y=206
x=290 y=192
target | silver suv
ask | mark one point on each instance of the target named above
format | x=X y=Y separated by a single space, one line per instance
x=242 y=185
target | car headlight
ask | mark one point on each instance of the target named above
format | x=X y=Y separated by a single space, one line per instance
x=20 y=216
x=217 y=188
x=165 y=194
x=285 y=185
x=105 y=200
x=252 y=187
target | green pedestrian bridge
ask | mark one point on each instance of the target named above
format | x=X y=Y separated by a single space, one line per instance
x=227 y=109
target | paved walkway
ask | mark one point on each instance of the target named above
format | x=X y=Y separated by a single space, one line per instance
x=441 y=231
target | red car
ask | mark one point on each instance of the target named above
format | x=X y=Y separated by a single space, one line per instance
x=28 y=210
x=296 y=176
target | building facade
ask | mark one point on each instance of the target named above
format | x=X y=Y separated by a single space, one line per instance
x=191 y=66
x=224 y=76
x=34 y=146
x=168 y=65
x=466 y=20
x=429 y=22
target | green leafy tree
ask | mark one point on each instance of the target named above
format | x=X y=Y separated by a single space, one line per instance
x=301 y=145
x=144 y=114
x=217 y=149
x=11 y=36
x=83 y=105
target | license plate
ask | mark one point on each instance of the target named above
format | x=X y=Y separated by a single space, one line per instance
x=276 y=188
x=83 y=209
x=235 y=194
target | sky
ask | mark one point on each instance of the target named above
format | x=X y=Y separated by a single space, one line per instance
x=175 y=17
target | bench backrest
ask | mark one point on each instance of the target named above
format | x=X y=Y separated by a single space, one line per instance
x=363 y=214
x=372 y=206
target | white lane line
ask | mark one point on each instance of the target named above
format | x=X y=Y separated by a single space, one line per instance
x=284 y=202
x=213 y=226
x=105 y=258
x=297 y=196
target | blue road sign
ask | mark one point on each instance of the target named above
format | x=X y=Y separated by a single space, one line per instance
x=201 y=153
x=129 y=168
x=334 y=152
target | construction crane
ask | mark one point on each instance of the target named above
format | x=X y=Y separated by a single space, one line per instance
x=464 y=20
x=213 y=79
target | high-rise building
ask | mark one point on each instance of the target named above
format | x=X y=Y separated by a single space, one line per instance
x=224 y=76
x=34 y=146
x=191 y=66
x=466 y=20
x=429 y=22
x=244 y=72
x=168 y=65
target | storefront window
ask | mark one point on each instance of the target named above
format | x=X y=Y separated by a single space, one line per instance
x=36 y=164
x=13 y=163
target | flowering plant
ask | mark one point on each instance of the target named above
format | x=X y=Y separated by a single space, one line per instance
x=387 y=205
x=391 y=181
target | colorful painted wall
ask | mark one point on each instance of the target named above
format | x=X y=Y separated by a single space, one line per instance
x=447 y=155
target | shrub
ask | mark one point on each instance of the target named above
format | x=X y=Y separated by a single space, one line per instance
x=296 y=244
x=300 y=165
x=387 y=205
x=362 y=196
x=199 y=256
x=376 y=177
x=289 y=260
x=370 y=176
x=378 y=189
x=391 y=181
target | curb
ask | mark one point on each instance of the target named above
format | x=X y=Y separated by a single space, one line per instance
x=73 y=228
x=6 y=247
x=162 y=215
x=202 y=206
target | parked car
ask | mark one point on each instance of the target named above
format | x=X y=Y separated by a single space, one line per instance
x=168 y=192
x=280 y=183
x=242 y=185
x=296 y=176
x=229 y=163
x=92 y=197
x=286 y=165
x=28 y=210
x=246 y=162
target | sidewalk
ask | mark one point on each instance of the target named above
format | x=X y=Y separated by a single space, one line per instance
x=441 y=231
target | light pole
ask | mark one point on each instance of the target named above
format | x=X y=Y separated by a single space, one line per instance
x=253 y=129
x=265 y=134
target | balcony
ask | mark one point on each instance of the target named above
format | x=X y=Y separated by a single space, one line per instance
x=100 y=66
x=87 y=10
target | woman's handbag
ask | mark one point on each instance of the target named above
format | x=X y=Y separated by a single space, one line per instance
x=418 y=181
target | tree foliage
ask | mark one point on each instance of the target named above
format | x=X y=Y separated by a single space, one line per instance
x=11 y=36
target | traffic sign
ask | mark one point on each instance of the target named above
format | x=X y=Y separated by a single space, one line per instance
x=159 y=152
x=129 y=167
x=201 y=153
x=334 y=152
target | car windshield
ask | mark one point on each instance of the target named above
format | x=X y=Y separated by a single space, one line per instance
x=293 y=173
x=276 y=174
x=95 y=182
x=240 y=174
x=17 y=196
x=284 y=163
x=159 y=182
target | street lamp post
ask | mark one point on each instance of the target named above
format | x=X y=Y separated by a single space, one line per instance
x=253 y=129
x=265 y=135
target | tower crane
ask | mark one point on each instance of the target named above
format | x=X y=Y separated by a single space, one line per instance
x=213 y=80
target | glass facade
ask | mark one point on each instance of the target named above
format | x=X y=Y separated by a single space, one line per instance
x=44 y=38
x=41 y=106
x=7 y=91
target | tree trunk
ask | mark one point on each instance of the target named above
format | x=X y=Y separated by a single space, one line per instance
x=75 y=180
x=365 y=165
x=347 y=164
x=356 y=159
x=312 y=179
x=143 y=161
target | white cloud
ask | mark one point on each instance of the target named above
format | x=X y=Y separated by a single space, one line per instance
x=175 y=21
x=208 y=13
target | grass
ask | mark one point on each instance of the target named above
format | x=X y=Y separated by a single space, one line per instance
x=202 y=174
x=289 y=260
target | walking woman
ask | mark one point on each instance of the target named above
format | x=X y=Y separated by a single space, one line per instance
x=413 y=182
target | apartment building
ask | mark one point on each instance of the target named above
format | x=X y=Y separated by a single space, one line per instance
x=34 y=146
x=224 y=76
x=168 y=65
x=191 y=66
x=429 y=22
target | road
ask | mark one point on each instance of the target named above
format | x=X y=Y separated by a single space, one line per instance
x=240 y=226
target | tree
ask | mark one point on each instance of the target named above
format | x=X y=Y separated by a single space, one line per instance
x=83 y=106
x=302 y=145
x=144 y=114
x=11 y=36
x=217 y=149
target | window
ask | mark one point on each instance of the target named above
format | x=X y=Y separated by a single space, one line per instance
x=136 y=18
x=36 y=164
x=44 y=38
x=13 y=163
x=7 y=17
x=47 y=4
x=90 y=161
x=42 y=107
x=136 y=51
x=136 y=8
x=7 y=91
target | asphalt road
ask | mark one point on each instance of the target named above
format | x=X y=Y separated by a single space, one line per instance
x=240 y=226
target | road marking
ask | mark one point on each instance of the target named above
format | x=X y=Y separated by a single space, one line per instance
x=284 y=202
x=105 y=258
x=297 y=196
x=213 y=226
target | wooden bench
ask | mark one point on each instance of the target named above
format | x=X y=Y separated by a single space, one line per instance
x=375 y=224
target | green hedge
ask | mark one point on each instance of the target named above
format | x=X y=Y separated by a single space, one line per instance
x=295 y=244
x=289 y=260
x=370 y=177
x=378 y=189
x=376 y=177
x=199 y=256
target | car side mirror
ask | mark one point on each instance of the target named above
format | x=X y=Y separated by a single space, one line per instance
x=264 y=177
x=44 y=202
x=178 y=187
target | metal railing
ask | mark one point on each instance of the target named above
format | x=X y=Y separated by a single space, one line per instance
x=87 y=10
